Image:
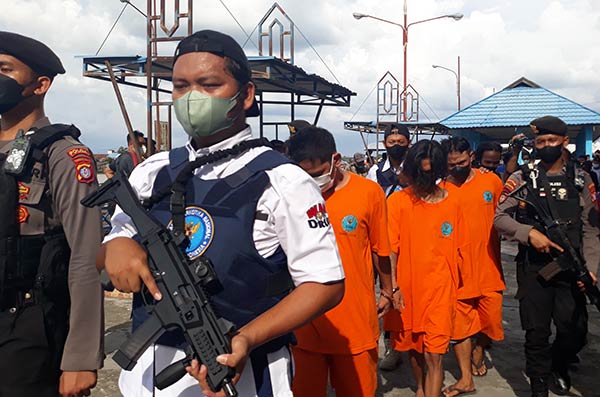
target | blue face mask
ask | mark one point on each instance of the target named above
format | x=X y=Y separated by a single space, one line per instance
x=203 y=115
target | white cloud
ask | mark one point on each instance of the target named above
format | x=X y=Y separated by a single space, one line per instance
x=551 y=42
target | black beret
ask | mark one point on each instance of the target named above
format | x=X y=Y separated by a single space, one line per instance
x=222 y=45
x=396 y=128
x=32 y=53
x=548 y=125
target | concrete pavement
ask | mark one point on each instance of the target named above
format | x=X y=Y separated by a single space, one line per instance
x=505 y=360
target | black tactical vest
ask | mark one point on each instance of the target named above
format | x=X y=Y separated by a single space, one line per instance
x=564 y=194
x=28 y=262
x=386 y=178
x=9 y=226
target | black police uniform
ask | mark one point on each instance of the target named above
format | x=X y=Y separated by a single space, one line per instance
x=559 y=299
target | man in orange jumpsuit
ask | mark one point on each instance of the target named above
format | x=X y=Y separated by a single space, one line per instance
x=342 y=343
x=430 y=241
x=479 y=306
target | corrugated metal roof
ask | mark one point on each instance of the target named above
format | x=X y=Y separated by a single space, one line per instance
x=517 y=105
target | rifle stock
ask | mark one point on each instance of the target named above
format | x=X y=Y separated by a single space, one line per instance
x=185 y=304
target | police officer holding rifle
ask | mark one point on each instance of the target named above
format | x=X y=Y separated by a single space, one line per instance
x=556 y=226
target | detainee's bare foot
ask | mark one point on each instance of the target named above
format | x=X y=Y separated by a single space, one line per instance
x=479 y=370
x=459 y=389
x=420 y=393
x=478 y=367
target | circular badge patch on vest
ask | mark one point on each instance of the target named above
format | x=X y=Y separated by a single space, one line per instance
x=488 y=196
x=447 y=229
x=199 y=228
x=349 y=223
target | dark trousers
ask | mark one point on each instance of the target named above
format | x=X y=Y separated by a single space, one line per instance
x=542 y=302
x=31 y=344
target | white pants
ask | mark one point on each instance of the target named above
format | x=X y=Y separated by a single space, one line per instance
x=139 y=382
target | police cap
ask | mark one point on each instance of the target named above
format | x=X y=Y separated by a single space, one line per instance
x=32 y=53
x=224 y=46
x=548 y=125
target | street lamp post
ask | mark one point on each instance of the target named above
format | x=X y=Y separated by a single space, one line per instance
x=404 y=27
x=457 y=78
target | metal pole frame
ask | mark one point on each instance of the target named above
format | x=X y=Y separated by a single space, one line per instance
x=282 y=34
x=387 y=83
x=155 y=19
x=113 y=80
x=458 y=83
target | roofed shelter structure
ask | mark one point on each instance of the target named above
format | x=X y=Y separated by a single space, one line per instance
x=509 y=111
x=278 y=80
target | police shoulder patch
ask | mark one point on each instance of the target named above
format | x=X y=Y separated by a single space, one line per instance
x=23 y=214
x=84 y=165
x=509 y=186
x=592 y=189
x=23 y=191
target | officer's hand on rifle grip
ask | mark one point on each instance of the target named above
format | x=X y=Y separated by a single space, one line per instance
x=126 y=263
x=540 y=242
x=581 y=286
x=240 y=349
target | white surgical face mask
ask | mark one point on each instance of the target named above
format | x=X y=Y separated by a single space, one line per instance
x=325 y=181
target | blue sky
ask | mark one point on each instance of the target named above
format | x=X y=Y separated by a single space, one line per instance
x=553 y=43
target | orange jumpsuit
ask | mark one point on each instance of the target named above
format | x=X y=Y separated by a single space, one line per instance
x=343 y=341
x=479 y=198
x=431 y=242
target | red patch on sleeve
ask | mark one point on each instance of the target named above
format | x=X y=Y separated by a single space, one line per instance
x=23 y=191
x=23 y=214
x=84 y=165
x=592 y=190
x=317 y=216
x=315 y=210
x=509 y=187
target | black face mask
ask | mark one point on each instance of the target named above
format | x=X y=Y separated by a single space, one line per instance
x=460 y=173
x=493 y=169
x=549 y=154
x=397 y=152
x=360 y=168
x=10 y=93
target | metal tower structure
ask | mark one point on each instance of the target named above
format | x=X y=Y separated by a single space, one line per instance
x=273 y=70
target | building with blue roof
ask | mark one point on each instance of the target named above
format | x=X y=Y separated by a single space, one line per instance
x=508 y=112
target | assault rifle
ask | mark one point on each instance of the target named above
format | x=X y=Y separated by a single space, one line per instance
x=568 y=260
x=184 y=285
